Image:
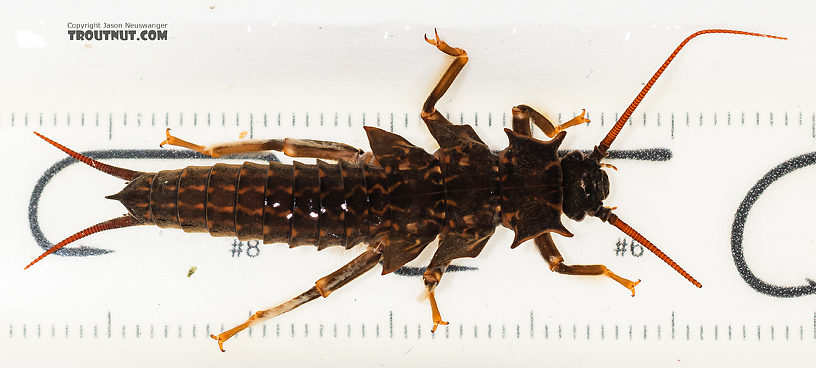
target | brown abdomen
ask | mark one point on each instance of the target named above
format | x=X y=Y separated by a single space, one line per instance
x=327 y=204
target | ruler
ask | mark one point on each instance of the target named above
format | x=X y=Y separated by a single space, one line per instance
x=133 y=289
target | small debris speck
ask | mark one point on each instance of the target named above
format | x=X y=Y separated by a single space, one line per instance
x=191 y=271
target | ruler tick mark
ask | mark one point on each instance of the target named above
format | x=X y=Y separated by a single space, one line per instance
x=672 y=128
x=532 y=326
x=672 y=318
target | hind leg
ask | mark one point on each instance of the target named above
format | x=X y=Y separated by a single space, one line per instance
x=323 y=287
x=523 y=115
x=547 y=248
x=289 y=146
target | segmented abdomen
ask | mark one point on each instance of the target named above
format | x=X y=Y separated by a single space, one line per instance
x=323 y=204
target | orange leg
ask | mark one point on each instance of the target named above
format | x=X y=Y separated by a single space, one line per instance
x=289 y=146
x=523 y=115
x=431 y=277
x=547 y=248
x=323 y=287
x=445 y=82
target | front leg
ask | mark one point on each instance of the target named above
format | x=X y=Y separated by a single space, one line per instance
x=523 y=115
x=547 y=248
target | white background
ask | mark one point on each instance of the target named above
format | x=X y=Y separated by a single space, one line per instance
x=244 y=61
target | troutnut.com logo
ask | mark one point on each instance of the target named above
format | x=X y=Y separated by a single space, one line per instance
x=104 y=31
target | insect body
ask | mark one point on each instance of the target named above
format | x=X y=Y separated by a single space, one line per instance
x=397 y=198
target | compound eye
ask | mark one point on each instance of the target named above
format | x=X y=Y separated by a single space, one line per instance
x=604 y=184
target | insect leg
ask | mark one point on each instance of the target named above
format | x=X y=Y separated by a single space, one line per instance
x=431 y=277
x=323 y=287
x=523 y=115
x=547 y=248
x=289 y=146
x=445 y=82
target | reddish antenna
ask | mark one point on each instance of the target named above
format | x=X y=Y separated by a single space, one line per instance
x=116 y=223
x=606 y=215
x=105 y=168
x=613 y=133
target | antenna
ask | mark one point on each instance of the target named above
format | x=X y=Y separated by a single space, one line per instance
x=613 y=133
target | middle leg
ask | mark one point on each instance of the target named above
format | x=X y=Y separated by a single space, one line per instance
x=431 y=278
